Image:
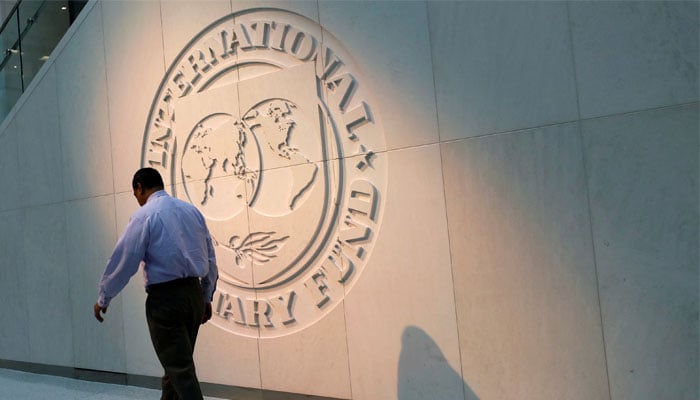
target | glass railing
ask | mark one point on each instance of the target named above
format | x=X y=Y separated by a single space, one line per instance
x=28 y=34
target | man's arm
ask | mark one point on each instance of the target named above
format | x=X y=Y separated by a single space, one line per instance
x=123 y=264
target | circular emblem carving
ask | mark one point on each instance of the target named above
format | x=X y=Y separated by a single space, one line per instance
x=264 y=123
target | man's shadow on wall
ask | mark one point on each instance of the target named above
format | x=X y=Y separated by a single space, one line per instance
x=425 y=374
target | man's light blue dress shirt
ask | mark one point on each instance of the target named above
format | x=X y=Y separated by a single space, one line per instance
x=171 y=237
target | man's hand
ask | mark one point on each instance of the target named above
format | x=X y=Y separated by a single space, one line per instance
x=99 y=309
x=207 y=313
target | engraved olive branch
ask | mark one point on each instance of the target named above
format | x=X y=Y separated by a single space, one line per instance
x=258 y=247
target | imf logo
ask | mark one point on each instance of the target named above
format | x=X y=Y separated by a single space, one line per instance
x=264 y=124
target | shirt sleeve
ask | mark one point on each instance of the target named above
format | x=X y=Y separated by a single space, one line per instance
x=209 y=280
x=124 y=262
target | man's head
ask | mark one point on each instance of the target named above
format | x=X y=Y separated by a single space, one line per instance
x=146 y=181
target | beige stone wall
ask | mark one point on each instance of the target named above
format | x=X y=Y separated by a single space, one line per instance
x=535 y=168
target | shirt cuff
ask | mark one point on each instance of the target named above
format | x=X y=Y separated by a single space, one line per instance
x=103 y=301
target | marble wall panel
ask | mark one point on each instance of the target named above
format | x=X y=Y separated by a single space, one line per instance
x=643 y=180
x=84 y=115
x=183 y=20
x=501 y=66
x=319 y=350
x=47 y=290
x=313 y=361
x=140 y=357
x=90 y=229
x=39 y=145
x=307 y=8
x=402 y=306
x=9 y=168
x=302 y=17
x=524 y=273
x=390 y=43
x=182 y=24
x=225 y=358
x=135 y=68
x=262 y=60
x=277 y=71
x=301 y=135
x=14 y=331
x=634 y=55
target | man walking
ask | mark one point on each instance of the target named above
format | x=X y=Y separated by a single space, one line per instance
x=171 y=237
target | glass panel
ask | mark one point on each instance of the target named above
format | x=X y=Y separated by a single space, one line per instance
x=50 y=22
x=23 y=51
x=10 y=72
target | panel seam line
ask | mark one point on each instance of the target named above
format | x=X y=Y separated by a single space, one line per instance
x=444 y=200
x=579 y=129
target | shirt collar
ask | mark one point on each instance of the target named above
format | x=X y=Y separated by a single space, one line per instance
x=159 y=193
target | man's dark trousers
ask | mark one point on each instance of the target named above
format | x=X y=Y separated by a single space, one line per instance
x=174 y=311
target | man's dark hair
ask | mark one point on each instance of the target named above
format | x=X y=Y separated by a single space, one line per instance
x=149 y=178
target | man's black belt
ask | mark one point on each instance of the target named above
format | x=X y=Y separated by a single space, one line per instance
x=174 y=284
